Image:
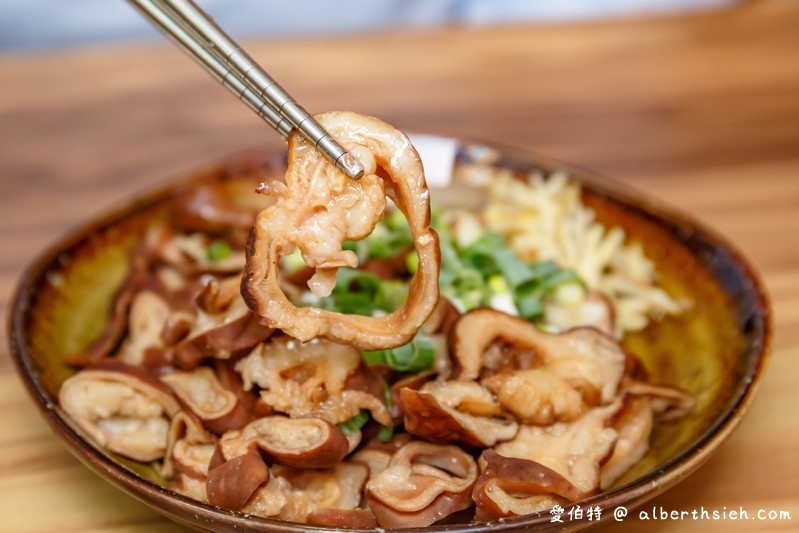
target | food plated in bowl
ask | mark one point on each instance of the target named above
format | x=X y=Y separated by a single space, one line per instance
x=705 y=350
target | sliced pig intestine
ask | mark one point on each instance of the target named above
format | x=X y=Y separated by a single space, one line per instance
x=294 y=494
x=295 y=442
x=668 y=403
x=634 y=426
x=376 y=454
x=189 y=486
x=201 y=392
x=422 y=484
x=588 y=360
x=223 y=325
x=190 y=448
x=510 y=486
x=122 y=409
x=309 y=379
x=536 y=396
x=232 y=483
x=318 y=209
x=461 y=412
x=575 y=450
x=205 y=208
x=149 y=312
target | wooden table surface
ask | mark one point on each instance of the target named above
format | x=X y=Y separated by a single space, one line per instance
x=699 y=111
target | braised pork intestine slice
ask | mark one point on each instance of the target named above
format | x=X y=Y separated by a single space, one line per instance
x=422 y=484
x=574 y=450
x=309 y=379
x=122 y=409
x=221 y=327
x=296 y=442
x=563 y=373
x=318 y=209
x=201 y=392
x=510 y=486
x=455 y=411
x=148 y=314
x=293 y=493
x=634 y=426
x=189 y=448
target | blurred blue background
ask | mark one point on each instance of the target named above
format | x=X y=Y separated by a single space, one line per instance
x=60 y=23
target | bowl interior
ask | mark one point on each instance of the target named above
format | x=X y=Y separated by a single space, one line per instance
x=714 y=350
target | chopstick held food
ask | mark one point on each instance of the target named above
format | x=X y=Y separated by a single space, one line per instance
x=318 y=209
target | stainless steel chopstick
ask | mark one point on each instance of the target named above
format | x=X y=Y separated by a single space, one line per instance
x=216 y=68
x=207 y=44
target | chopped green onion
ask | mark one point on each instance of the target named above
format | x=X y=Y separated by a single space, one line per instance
x=415 y=356
x=530 y=305
x=360 y=248
x=544 y=268
x=498 y=285
x=482 y=253
x=374 y=357
x=529 y=296
x=561 y=277
x=546 y=328
x=451 y=263
x=348 y=427
x=412 y=262
x=472 y=299
x=386 y=433
x=391 y=294
x=218 y=251
x=354 y=292
x=363 y=293
x=390 y=237
x=387 y=394
x=514 y=270
x=569 y=293
x=395 y=221
x=348 y=279
x=293 y=262
x=505 y=272
x=470 y=276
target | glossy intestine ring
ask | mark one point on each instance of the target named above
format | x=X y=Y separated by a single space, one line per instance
x=318 y=208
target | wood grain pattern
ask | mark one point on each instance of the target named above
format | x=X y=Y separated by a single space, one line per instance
x=701 y=112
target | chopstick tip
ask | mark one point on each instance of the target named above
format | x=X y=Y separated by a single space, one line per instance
x=350 y=166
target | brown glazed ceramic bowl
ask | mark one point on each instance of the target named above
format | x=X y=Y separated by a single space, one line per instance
x=716 y=350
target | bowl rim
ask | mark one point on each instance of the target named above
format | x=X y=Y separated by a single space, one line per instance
x=178 y=507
